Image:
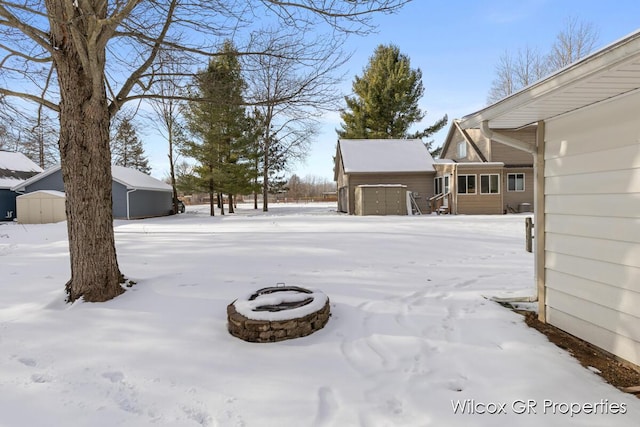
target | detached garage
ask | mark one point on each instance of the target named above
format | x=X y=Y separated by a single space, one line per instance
x=41 y=207
x=134 y=194
x=587 y=213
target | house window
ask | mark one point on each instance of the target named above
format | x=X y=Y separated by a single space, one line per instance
x=437 y=184
x=490 y=184
x=462 y=149
x=466 y=184
x=446 y=184
x=515 y=182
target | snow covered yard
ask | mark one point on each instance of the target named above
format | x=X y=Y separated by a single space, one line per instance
x=411 y=340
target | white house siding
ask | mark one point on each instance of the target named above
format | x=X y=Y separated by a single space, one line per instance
x=592 y=226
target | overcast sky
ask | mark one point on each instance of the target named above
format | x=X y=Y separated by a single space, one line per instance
x=457 y=45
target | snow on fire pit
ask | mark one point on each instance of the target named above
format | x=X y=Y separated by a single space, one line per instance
x=278 y=313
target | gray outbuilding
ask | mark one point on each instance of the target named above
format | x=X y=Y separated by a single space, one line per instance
x=15 y=168
x=134 y=194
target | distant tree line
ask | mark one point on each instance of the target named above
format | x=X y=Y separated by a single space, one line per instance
x=309 y=188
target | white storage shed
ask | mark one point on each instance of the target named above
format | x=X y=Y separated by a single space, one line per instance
x=41 y=207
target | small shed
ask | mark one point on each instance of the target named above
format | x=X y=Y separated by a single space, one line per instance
x=381 y=200
x=41 y=207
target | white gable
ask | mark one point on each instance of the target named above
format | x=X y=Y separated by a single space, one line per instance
x=385 y=155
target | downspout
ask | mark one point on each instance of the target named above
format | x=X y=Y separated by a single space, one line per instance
x=539 y=218
x=532 y=149
x=128 y=211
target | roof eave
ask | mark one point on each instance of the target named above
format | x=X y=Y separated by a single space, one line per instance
x=604 y=59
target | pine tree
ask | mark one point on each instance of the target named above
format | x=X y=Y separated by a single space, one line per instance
x=127 y=149
x=385 y=101
x=216 y=119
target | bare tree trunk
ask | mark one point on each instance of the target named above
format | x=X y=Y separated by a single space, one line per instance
x=86 y=171
x=221 y=203
x=255 y=200
x=265 y=182
x=231 y=210
x=212 y=210
x=172 y=170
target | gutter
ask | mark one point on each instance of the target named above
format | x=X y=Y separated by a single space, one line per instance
x=128 y=210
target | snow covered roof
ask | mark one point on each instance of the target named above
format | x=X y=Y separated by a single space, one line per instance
x=385 y=155
x=134 y=179
x=131 y=178
x=15 y=168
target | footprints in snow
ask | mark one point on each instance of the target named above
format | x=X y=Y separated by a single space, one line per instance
x=117 y=392
x=423 y=323
x=37 y=377
x=327 y=407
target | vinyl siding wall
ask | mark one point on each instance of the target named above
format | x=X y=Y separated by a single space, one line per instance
x=342 y=184
x=7 y=204
x=142 y=203
x=49 y=182
x=472 y=156
x=592 y=238
x=515 y=198
x=478 y=204
x=512 y=156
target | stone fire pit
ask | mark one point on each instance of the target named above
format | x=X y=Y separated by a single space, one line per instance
x=278 y=313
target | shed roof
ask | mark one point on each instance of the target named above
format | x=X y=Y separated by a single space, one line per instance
x=132 y=179
x=607 y=73
x=49 y=193
x=15 y=168
x=385 y=155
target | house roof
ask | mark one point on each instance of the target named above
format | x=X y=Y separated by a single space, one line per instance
x=132 y=179
x=15 y=168
x=607 y=73
x=385 y=155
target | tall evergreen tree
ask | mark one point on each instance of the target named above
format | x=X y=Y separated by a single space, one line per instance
x=216 y=118
x=385 y=101
x=127 y=149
